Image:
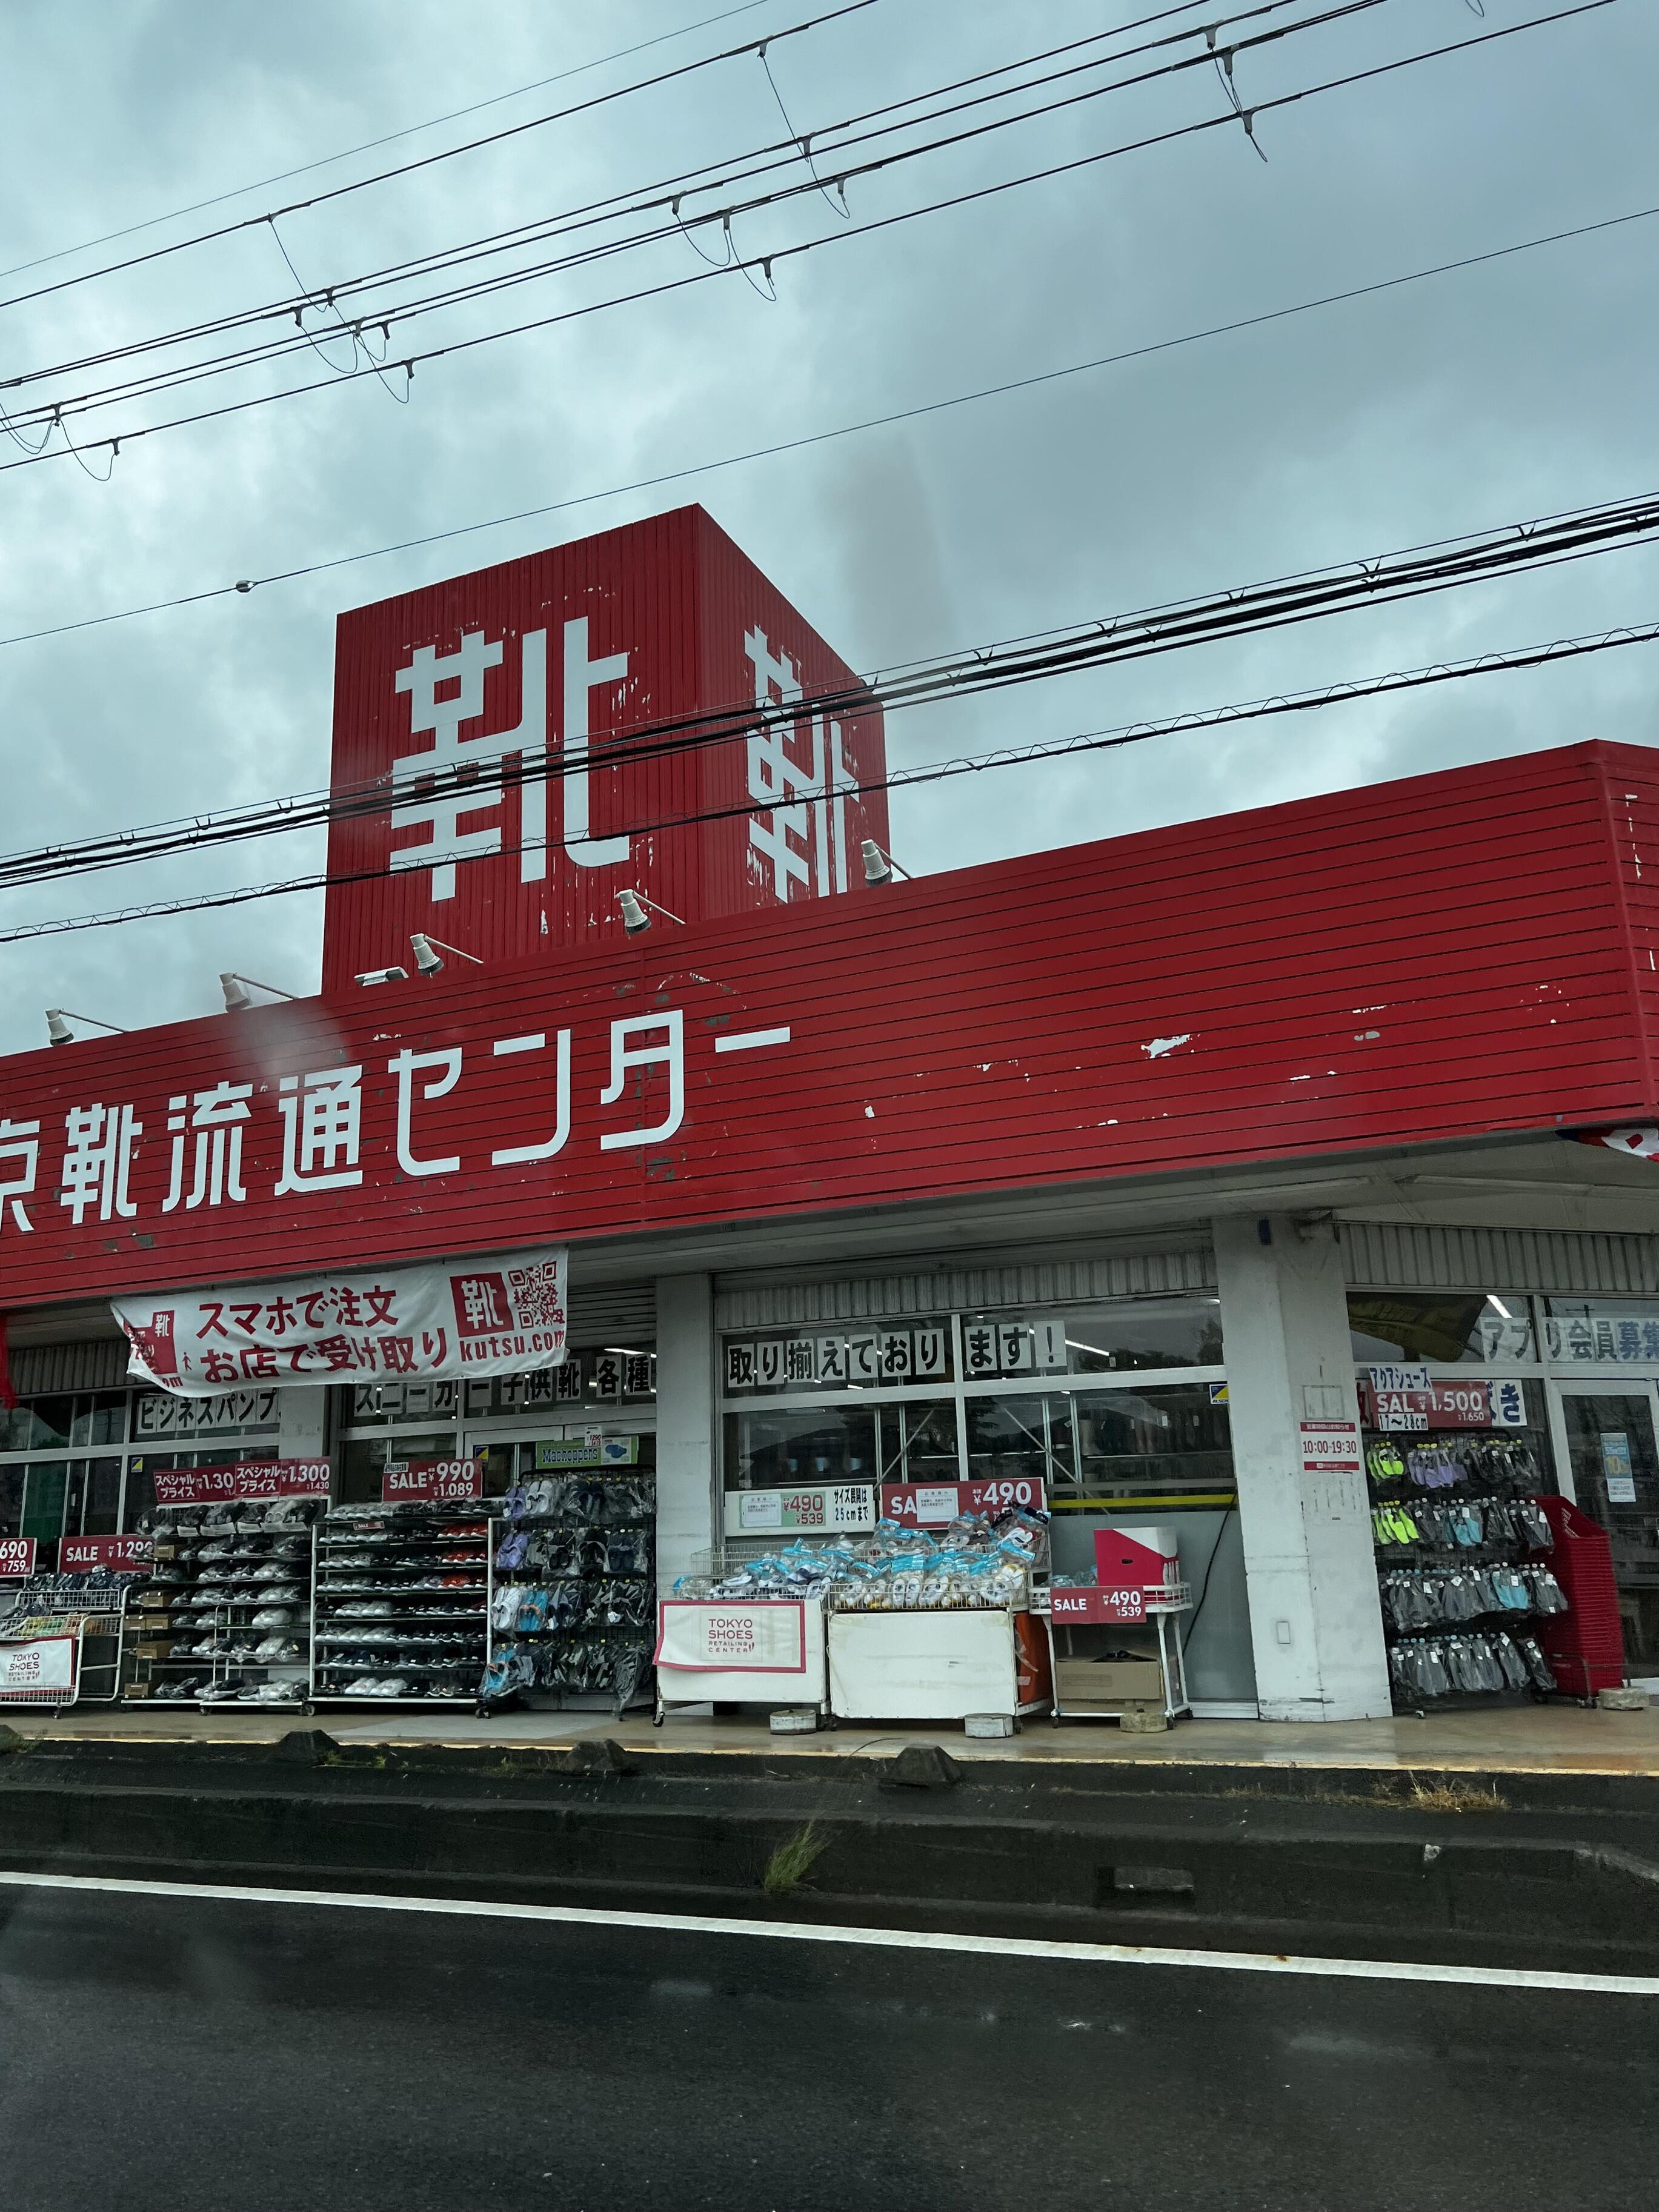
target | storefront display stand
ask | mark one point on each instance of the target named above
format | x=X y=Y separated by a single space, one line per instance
x=928 y=1663
x=702 y=1682
x=224 y=1619
x=101 y=1622
x=558 y=1697
x=1163 y=1609
x=436 y=1534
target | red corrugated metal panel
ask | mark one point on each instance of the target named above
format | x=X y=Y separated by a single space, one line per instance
x=1631 y=810
x=1423 y=960
x=671 y=599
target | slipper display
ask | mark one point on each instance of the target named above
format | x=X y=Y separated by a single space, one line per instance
x=574 y=1602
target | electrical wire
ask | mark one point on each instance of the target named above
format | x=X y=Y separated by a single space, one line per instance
x=249 y=584
x=1387 y=579
x=371 y=145
x=1084 y=742
x=764 y=262
x=429 y=160
x=669 y=192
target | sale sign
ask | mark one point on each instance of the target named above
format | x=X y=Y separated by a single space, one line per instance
x=115 y=1555
x=250 y=1479
x=16 y=1555
x=1443 y=1404
x=1096 y=1603
x=824 y=1505
x=44 y=1664
x=932 y=1505
x=431 y=1481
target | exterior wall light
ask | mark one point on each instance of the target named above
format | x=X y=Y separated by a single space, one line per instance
x=383 y=975
x=634 y=914
x=235 y=988
x=59 y=1032
x=427 y=951
x=880 y=867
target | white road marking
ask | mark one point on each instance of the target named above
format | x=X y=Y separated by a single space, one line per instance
x=751 y=1040
x=878 y=1939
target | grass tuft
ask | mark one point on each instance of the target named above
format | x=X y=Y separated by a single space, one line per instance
x=792 y=1861
x=1445 y=1794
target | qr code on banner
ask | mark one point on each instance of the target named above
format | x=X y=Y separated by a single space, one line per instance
x=535 y=1295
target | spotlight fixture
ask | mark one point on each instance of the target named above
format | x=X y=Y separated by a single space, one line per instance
x=383 y=975
x=235 y=988
x=426 y=958
x=880 y=867
x=59 y=1032
x=634 y=914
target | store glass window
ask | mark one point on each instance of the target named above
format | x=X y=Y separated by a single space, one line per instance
x=1440 y=1328
x=94 y=1498
x=1135 y=1336
x=769 y=1450
x=917 y=1442
x=1028 y=1438
x=1609 y=1334
x=38 y=1423
x=364 y=1460
x=1171 y=1443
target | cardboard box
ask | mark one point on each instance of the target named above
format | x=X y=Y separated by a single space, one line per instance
x=1113 y=1682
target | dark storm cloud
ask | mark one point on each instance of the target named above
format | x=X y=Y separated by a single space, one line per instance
x=1511 y=390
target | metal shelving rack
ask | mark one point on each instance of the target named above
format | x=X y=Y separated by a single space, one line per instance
x=163 y=1612
x=433 y=1638
x=530 y=1577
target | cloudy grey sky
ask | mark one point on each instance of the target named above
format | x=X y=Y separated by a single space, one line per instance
x=1509 y=391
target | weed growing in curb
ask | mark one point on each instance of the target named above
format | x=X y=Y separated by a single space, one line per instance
x=1445 y=1794
x=792 y=1861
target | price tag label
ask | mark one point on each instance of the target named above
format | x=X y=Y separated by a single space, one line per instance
x=924 y=1505
x=16 y=1555
x=1096 y=1602
x=269 y=1477
x=431 y=1481
x=118 y=1555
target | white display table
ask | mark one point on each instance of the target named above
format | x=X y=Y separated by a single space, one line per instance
x=926 y=1666
x=761 y=1651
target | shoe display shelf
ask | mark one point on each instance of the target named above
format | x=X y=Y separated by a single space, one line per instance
x=401 y=1597
x=1463 y=1547
x=224 y=1616
x=572 y=1595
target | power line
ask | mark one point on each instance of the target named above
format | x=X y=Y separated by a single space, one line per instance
x=1387 y=579
x=1086 y=742
x=766 y=262
x=427 y=161
x=1152 y=348
x=828 y=142
x=371 y=145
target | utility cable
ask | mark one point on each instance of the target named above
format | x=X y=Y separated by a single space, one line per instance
x=1387 y=579
x=668 y=193
x=764 y=262
x=243 y=585
x=1535 y=656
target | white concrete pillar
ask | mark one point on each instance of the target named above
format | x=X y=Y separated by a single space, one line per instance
x=686 y=1454
x=1316 y=1623
x=302 y=1413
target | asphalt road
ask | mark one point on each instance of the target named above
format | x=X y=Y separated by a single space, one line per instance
x=208 y=2055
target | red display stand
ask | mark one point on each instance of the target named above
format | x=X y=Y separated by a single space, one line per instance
x=1585 y=1646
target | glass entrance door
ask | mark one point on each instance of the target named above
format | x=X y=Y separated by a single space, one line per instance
x=1612 y=1449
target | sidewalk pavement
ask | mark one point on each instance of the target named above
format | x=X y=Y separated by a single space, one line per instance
x=1517 y=1740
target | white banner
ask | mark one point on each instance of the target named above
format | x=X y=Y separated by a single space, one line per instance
x=497 y=1316
x=705 y=1638
x=46 y=1663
